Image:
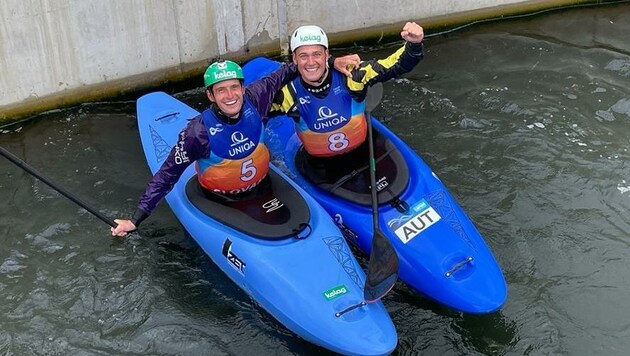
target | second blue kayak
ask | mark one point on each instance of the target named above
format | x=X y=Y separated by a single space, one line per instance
x=442 y=255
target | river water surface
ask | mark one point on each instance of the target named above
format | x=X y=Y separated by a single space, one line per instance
x=527 y=122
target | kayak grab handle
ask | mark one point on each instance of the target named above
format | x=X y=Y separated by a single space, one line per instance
x=458 y=265
x=303 y=227
x=352 y=307
x=166 y=116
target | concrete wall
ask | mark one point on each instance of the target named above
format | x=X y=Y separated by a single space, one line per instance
x=55 y=53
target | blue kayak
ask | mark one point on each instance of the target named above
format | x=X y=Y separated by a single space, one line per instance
x=441 y=253
x=279 y=246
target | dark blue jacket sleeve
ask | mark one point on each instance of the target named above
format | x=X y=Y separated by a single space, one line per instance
x=191 y=145
x=262 y=91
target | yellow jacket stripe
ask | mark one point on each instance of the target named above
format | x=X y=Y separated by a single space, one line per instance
x=368 y=72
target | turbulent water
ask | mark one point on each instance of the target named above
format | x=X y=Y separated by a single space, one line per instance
x=527 y=122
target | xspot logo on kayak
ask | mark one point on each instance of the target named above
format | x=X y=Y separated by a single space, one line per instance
x=333 y=293
x=409 y=226
x=236 y=262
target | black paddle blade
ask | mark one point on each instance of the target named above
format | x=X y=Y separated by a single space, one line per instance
x=373 y=98
x=382 y=269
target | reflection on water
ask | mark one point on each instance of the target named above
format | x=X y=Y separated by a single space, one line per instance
x=527 y=122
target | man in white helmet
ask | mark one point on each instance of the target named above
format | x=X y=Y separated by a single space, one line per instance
x=328 y=107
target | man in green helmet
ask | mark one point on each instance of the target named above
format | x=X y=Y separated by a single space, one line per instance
x=225 y=142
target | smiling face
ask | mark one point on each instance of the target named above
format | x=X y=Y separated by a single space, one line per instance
x=311 y=62
x=228 y=95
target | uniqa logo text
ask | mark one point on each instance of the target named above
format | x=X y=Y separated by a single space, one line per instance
x=241 y=148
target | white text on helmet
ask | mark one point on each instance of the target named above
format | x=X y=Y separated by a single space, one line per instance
x=225 y=74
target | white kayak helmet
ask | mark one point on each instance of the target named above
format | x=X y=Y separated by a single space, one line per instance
x=308 y=35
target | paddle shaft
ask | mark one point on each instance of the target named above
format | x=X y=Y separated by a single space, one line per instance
x=373 y=191
x=18 y=162
x=383 y=264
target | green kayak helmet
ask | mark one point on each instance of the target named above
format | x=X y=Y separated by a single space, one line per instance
x=308 y=35
x=220 y=71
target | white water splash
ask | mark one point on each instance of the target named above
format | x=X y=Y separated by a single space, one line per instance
x=623 y=187
x=536 y=124
x=621 y=65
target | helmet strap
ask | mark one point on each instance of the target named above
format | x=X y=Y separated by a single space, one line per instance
x=321 y=79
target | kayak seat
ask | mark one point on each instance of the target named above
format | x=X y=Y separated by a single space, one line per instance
x=348 y=176
x=273 y=210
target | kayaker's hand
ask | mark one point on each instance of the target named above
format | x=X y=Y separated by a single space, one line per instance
x=124 y=227
x=412 y=32
x=347 y=63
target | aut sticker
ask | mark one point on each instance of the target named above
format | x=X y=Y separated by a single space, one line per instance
x=408 y=226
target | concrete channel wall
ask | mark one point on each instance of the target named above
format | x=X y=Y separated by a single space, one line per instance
x=56 y=53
